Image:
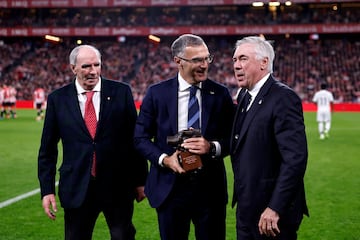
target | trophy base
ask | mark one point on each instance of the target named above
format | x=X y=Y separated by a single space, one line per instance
x=189 y=161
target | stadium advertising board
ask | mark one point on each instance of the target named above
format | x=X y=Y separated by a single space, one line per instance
x=173 y=31
x=134 y=3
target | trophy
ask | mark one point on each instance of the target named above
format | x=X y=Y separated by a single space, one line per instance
x=188 y=161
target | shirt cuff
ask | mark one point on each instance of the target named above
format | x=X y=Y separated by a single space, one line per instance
x=161 y=159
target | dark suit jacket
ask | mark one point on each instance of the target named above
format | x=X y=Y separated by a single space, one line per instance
x=119 y=168
x=269 y=155
x=158 y=119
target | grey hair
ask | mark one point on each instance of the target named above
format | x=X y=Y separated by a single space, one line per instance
x=185 y=40
x=263 y=49
x=75 y=52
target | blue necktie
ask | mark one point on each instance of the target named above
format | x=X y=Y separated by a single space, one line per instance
x=194 y=109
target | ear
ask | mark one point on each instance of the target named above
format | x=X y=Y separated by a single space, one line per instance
x=72 y=67
x=177 y=60
x=264 y=63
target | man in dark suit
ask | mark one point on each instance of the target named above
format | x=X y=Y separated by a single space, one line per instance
x=268 y=148
x=181 y=196
x=100 y=170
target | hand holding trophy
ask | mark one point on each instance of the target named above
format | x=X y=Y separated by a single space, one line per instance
x=188 y=161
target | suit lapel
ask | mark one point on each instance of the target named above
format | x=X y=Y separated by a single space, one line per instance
x=106 y=99
x=236 y=117
x=208 y=98
x=255 y=107
x=72 y=102
x=171 y=102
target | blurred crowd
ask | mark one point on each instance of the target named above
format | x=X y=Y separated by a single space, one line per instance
x=303 y=64
x=29 y=63
x=179 y=16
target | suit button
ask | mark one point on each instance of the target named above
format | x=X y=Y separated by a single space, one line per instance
x=236 y=136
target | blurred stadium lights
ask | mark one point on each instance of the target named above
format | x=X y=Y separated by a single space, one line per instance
x=52 y=38
x=314 y=36
x=271 y=4
x=257 y=4
x=154 y=38
x=122 y=39
x=274 y=4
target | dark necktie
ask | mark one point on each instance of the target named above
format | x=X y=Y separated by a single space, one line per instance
x=91 y=122
x=194 y=109
x=246 y=101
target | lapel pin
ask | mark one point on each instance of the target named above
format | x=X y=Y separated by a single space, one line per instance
x=260 y=101
x=108 y=98
x=211 y=92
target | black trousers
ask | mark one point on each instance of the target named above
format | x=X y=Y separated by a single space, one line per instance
x=246 y=230
x=80 y=222
x=188 y=202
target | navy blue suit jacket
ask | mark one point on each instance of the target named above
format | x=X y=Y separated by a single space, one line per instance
x=119 y=168
x=269 y=155
x=158 y=119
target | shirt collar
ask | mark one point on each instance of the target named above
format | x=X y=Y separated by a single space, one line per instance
x=184 y=85
x=258 y=86
x=81 y=90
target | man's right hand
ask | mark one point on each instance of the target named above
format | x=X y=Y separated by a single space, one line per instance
x=172 y=162
x=49 y=206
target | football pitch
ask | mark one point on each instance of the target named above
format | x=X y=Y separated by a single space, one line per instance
x=332 y=183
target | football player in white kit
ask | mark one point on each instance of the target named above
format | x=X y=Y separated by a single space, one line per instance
x=324 y=100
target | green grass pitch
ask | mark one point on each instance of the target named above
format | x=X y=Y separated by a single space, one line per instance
x=332 y=184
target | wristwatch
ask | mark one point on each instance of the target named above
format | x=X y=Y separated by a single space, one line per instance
x=212 y=150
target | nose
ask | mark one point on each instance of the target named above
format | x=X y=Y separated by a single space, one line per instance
x=204 y=63
x=237 y=64
x=93 y=69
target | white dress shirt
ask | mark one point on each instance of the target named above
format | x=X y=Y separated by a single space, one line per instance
x=82 y=97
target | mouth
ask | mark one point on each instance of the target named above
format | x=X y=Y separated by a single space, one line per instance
x=91 y=78
x=239 y=75
x=201 y=72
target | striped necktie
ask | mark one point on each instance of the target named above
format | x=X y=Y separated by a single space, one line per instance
x=194 y=109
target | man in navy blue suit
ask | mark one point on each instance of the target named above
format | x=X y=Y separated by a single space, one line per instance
x=100 y=169
x=268 y=148
x=181 y=197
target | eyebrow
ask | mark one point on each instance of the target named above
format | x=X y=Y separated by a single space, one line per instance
x=241 y=56
x=89 y=65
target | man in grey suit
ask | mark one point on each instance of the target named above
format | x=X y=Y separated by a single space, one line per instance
x=268 y=148
x=100 y=170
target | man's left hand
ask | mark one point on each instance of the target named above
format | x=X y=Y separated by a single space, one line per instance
x=268 y=223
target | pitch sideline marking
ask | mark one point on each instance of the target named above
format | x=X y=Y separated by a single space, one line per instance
x=21 y=197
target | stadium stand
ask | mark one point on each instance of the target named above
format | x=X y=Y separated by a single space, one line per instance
x=303 y=61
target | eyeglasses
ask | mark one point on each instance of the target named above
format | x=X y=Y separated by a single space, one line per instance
x=208 y=59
